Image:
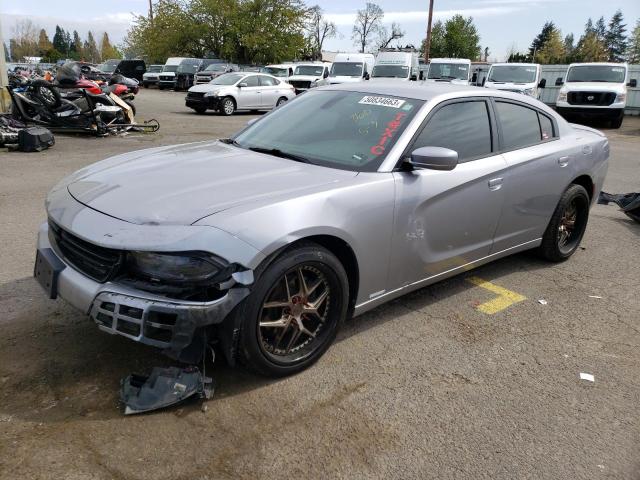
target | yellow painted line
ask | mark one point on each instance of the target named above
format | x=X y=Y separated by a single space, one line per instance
x=505 y=298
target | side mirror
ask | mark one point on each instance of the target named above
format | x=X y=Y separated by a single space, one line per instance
x=366 y=76
x=474 y=78
x=542 y=83
x=325 y=74
x=484 y=80
x=434 y=158
x=633 y=83
x=242 y=85
x=413 y=77
x=559 y=81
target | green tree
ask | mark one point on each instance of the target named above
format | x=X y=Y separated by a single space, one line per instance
x=90 y=49
x=615 y=39
x=591 y=48
x=569 y=48
x=552 y=50
x=367 y=26
x=59 y=41
x=461 y=38
x=107 y=50
x=75 y=49
x=633 y=54
x=44 y=44
x=438 y=46
x=601 y=29
x=541 y=39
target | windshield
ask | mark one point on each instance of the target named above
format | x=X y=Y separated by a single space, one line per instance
x=191 y=67
x=596 y=73
x=215 y=67
x=346 y=69
x=276 y=72
x=170 y=68
x=391 y=71
x=512 y=74
x=450 y=71
x=348 y=130
x=227 y=79
x=154 y=68
x=313 y=70
x=107 y=68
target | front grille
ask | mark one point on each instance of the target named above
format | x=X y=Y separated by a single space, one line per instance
x=166 y=78
x=597 y=99
x=99 y=263
x=300 y=84
x=195 y=94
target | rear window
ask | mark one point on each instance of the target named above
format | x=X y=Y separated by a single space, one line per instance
x=546 y=127
x=520 y=125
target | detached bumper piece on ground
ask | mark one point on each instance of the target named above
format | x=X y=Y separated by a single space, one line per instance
x=629 y=203
x=15 y=135
x=163 y=388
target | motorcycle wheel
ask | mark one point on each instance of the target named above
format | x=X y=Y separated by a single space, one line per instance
x=46 y=93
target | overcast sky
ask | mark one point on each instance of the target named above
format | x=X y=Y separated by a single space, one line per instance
x=501 y=23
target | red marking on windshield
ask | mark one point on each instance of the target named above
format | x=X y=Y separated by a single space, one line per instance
x=388 y=133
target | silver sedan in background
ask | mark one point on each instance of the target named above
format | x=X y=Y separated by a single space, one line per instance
x=239 y=91
x=343 y=199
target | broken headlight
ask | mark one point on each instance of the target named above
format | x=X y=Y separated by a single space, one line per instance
x=195 y=268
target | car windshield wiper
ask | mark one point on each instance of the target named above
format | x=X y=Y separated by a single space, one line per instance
x=230 y=141
x=276 y=152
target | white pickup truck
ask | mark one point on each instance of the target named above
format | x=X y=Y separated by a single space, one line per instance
x=595 y=90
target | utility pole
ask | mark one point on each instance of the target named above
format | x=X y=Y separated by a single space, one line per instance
x=427 y=43
x=5 y=100
x=150 y=10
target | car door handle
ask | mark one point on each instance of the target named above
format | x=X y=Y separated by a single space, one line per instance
x=495 y=184
x=563 y=161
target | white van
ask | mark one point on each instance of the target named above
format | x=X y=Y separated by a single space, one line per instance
x=595 y=90
x=452 y=70
x=307 y=75
x=350 y=68
x=516 y=77
x=282 y=70
x=394 y=64
x=167 y=78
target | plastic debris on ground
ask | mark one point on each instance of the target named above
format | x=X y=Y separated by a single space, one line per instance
x=629 y=203
x=162 y=388
x=542 y=301
x=587 y=376
x=15 y=135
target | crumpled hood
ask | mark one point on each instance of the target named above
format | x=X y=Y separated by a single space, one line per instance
x=179 y=185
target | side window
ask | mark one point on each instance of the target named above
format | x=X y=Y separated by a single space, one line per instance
x=463 y=127
x=520 y=127
x=546 y=127
x=252 y=81
x=267 y=81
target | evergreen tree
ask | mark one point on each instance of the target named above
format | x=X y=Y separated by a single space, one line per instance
x=569 y=48
x=615 y=39
x=90 y=49
x=44 y=44
x=541 y=39
x=59 y=42
x=633 y=55
x=552 y=50
x=107 y=50
x=588 y=27
x=591 y=48
x=601 y=29
x=76 y=46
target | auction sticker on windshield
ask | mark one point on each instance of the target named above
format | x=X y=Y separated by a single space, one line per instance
x=382 y=101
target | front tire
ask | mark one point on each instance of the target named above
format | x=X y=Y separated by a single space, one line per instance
x=281 y=101
x=227 y=106
x=617 y=123
x=567 y=225
x=200 y=110
x=293 y=314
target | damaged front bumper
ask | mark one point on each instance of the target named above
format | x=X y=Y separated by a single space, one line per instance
x=151 y=319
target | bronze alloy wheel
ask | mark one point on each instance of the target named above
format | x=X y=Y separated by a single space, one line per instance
x=294 y=315
x=572 y=224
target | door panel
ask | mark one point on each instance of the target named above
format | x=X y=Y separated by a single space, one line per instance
x=250 y=96
x=536 y=178
x=445 y=219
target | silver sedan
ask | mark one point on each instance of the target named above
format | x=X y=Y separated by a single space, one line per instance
x=343 y=199
x=239 y=91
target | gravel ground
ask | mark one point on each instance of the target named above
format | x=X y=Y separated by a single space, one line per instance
x=423 y=387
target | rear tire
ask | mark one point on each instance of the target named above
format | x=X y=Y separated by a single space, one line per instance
x=567 y=225
x=617 y=123
x=280 y=101
x=277 y=349
x=200 y=110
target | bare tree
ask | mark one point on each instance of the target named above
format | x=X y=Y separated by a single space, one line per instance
x=385 y=37
x=368 y=24
x=25 y=39
x=319 y=29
